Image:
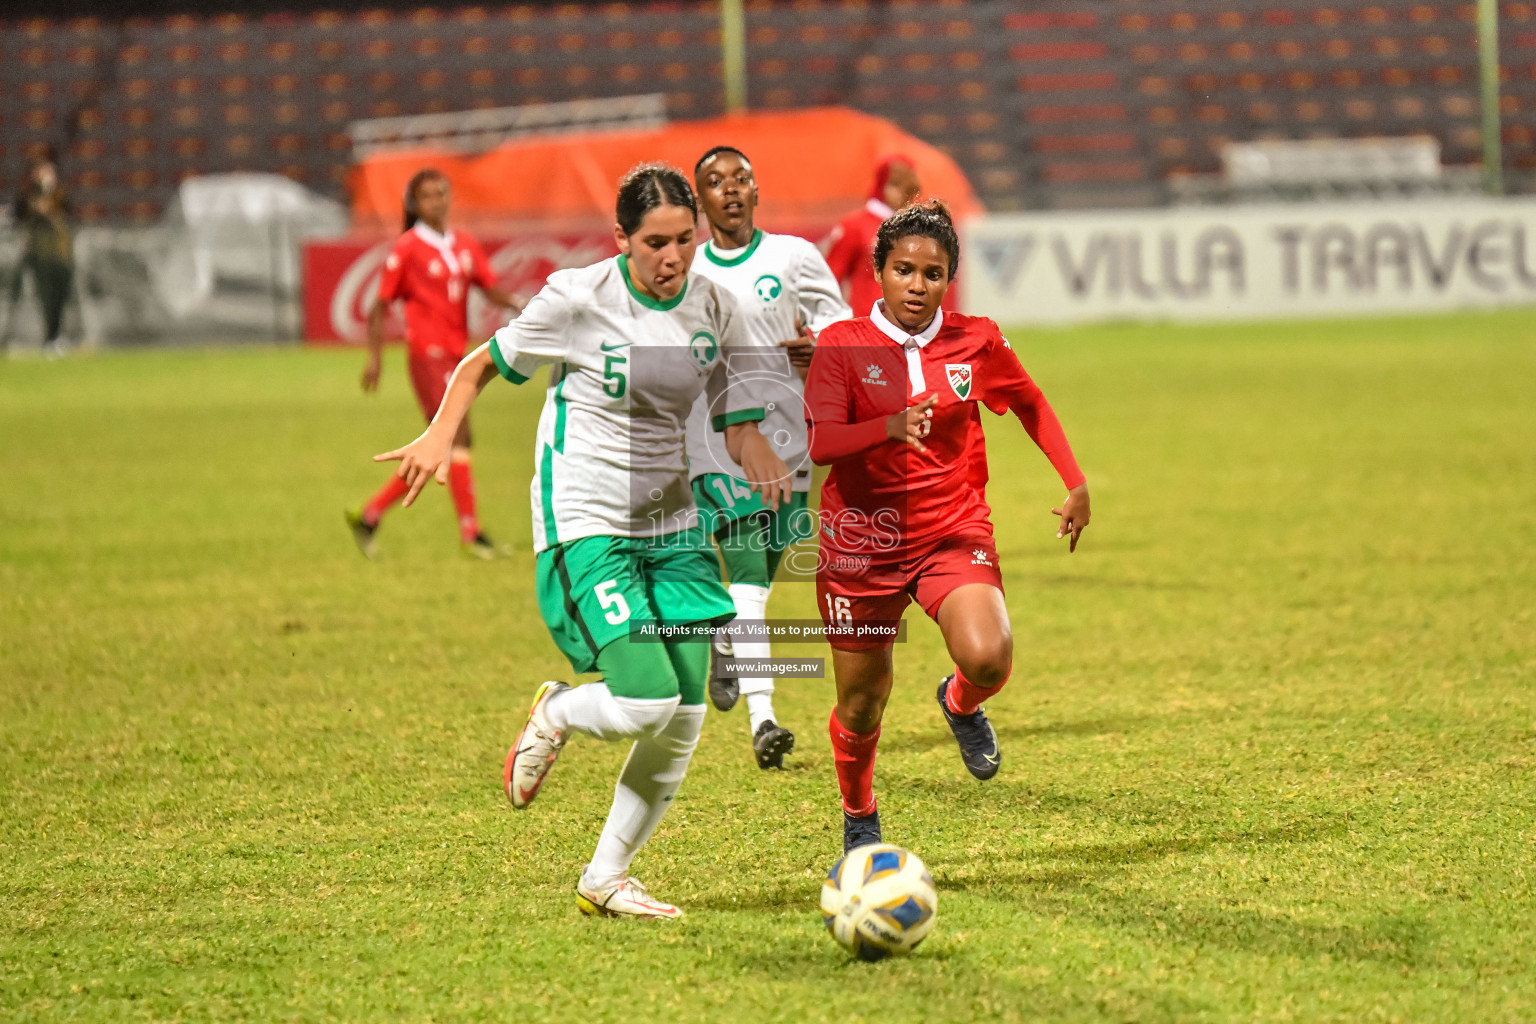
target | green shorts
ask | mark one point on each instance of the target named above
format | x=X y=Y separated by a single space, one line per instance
x=723 y=500
x=594 y=590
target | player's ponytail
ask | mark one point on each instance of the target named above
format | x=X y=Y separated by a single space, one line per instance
x=418 y=179
x=647 y=187
x=925 y=220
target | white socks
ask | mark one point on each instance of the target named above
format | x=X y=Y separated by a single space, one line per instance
x=650 y=779
x=752 y=604
x=759 y=709
x=594 y=710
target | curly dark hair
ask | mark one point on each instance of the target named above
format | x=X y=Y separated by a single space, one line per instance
x=926 y=220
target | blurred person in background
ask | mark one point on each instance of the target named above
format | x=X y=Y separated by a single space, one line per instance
x=42 y=213
x=430 y=269
x=850 y=246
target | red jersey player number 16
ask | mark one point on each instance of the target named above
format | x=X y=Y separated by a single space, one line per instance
x=892 y=401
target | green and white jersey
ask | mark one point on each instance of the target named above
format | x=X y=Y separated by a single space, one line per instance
x=777 y=280
x=627 y=371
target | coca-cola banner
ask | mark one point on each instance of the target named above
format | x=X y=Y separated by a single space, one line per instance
x=1250 y=262
x=341 y=280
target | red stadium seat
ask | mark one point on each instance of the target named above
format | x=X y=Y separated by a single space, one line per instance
x=1012 y=89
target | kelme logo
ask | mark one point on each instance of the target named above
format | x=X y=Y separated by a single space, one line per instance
x=768 y=288
x=703 y=348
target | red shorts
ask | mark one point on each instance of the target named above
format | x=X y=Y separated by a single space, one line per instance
x=430 y=370
x=854 y=589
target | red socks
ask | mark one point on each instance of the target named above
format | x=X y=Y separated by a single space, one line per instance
x=461 y=482
x=854 y=755
x=963 y=697
x=377 y=505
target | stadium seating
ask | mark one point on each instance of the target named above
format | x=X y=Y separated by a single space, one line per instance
x=1051 y=103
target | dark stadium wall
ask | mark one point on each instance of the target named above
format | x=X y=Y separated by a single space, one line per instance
x=69 y=9
x=1050 y=104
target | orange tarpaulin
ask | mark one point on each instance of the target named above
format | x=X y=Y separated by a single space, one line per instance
x=812 y=166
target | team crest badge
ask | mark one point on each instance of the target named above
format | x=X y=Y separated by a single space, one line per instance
x=768 y=287
x=959 y=379
x=703 y=348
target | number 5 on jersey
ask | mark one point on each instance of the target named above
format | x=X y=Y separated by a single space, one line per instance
x=613 y=379
x=616 y=608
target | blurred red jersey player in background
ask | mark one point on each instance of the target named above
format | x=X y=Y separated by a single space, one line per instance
x=851 y=243
x=430 y=269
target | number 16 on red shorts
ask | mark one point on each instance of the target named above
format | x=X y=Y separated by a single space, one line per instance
x=876 y=588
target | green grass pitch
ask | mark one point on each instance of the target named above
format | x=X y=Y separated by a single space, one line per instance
x=1269 y=747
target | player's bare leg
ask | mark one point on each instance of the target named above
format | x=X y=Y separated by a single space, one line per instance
x=863 y=687
x=974 y=621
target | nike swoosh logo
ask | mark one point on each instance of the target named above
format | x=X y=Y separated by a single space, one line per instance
x=989 y=758
x=609 y=348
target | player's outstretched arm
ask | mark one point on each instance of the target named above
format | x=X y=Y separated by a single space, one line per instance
x=427 y=456
x=1009 y=387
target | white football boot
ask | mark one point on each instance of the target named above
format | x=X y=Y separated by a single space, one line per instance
x=534 y=753
x=625 y=898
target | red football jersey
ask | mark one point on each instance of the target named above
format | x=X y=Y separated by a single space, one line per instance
x=432 y=274
x=850 y=250
x=883 y=495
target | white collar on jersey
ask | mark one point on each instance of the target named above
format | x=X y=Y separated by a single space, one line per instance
x=911 y=344
x=443 y=243
x=897 y=333
x=879 y=209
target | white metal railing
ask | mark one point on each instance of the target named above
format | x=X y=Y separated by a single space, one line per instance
x=1306 y=169
x=475 y=131
x=1309 y=161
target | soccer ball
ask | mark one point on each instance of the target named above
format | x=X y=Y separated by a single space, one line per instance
x=878 y=900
